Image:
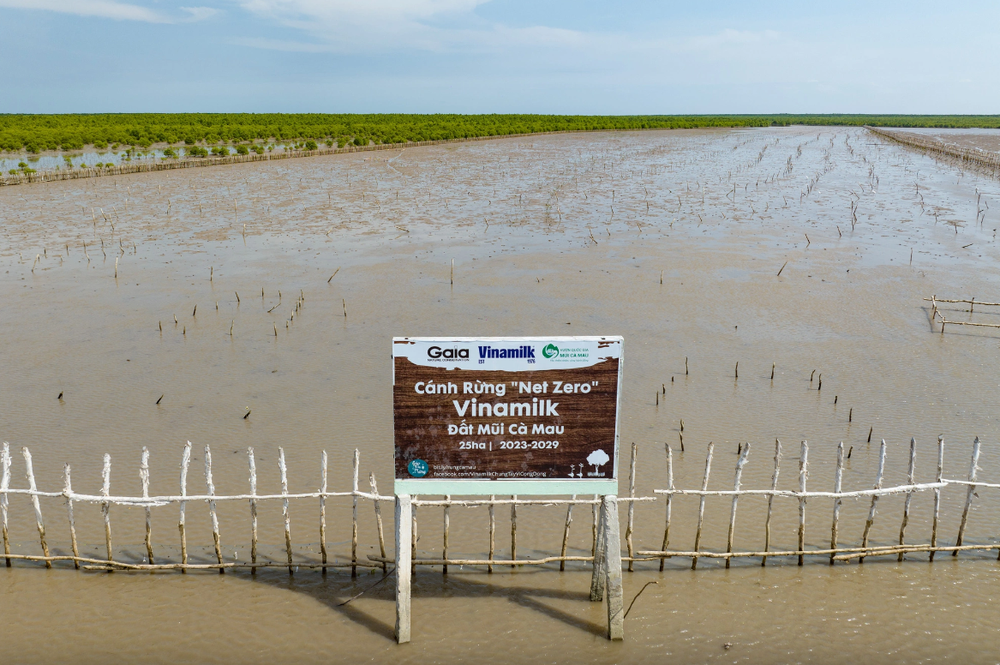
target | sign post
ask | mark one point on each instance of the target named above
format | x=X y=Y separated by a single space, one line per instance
x=508 y=415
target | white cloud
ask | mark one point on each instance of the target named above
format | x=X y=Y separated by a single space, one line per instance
x=119 y=11
x=392 y=11
x=197 y=13
x=100 y=8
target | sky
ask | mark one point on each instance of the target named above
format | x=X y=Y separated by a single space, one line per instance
x=499 y=56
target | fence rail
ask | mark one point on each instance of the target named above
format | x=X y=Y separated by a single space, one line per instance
x=833 y=552
x=937 y=315
x=983 y=160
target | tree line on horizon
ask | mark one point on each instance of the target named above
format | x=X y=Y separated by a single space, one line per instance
x=35 y=133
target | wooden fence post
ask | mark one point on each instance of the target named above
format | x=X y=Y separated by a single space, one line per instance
x=404 y=516
x=598 y=577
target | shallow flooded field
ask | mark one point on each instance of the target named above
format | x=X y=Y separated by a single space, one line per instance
x=809 y=248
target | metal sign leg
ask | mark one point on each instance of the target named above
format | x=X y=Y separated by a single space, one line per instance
x=607 y=575
x=613 y=564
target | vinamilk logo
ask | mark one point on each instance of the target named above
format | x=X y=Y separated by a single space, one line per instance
x=550 y=351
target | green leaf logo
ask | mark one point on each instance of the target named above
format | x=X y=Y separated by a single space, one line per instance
x=550 y=351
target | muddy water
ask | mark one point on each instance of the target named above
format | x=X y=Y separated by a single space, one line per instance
x=558 y=235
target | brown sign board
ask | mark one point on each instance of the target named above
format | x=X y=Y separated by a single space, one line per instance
x=512 y=415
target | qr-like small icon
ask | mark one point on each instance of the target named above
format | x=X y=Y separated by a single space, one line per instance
x=418 y=468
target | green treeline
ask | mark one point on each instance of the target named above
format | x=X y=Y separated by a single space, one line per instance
x=73 y=131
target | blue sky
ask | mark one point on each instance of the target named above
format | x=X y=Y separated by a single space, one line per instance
x=505 y=56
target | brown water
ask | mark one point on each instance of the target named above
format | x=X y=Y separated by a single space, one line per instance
x=538 y=251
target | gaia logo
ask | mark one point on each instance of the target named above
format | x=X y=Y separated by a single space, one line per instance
x=550 y=351
x=418 y=468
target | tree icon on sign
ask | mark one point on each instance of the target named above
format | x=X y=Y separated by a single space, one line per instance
x=597 y=458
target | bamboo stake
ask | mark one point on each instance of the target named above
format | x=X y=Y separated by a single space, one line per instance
x=30 y=475
x=68 y=491
x=447 y=528
x=106 y=505
x=493 y=530
x=594 y=513
x=878 y=486
x=211 y=507
x=185 y=463
x=4 y=485
x=701 y=506
x=284 y=507
x=144 y=477
x=973 y=468
x=670 y=486
x=513 y=529
x=354 y=515
x=251 y=460
x=322 y=509
x=740 y=463
x=565 y=539
x=378 y=521
x=837 y=486
x=631 y=506
x=413 y=539
x=937 y=495
x=909 y=495
x=770 y=501
x=803 y=474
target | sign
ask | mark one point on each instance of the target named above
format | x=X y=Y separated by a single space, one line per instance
x=506 y=415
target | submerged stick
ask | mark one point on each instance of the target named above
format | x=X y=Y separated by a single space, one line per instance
x=770 y=501
x=871 y=510
x=29 y=473
x=701 y=505
x=909 y=495
x=736 y=488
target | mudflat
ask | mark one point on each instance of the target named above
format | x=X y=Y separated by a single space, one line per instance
x=275 y=288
